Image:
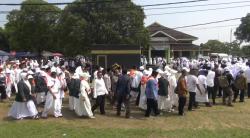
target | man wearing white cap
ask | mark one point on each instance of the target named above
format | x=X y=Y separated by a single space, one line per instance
x=164 y=102
x=41 y=86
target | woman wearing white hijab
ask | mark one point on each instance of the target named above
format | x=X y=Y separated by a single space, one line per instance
x=23 y=106
x=82 y=104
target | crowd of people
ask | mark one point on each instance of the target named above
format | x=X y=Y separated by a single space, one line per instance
x=42 y=85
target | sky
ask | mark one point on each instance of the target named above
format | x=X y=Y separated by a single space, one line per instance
x=219 y=31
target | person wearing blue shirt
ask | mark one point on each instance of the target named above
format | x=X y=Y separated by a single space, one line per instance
x=152 y=95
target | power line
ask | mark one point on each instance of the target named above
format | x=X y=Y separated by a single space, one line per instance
x=211 y=27
x=173 y=3
x=157 y=14
x=57 y=3
x=201 y=5
x=110 y=1
x=190 y=11
x=201 y=24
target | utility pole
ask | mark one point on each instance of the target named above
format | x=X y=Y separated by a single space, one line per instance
x=231 y=33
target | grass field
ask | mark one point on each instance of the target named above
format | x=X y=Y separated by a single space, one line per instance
x=217 y=121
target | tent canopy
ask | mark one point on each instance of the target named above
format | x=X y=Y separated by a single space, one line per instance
x=50 y=54
x=3 y=53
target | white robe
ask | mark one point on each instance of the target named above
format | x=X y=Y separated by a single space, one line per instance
x=40 y=97
x=164 y=103
x=172 y=84
x=71 y=103
x=52 y=105
x=82 y=105
x=21 y=110
x=202 y=96
x=143 y=99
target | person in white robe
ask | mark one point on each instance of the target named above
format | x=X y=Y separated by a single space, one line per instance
x=9 y=82
x=53 y=104
x=143 y=99
x=136 y=78
x=172 y=85
x=202 y=96
x=23 y=106
x=82 y=104
x=63 y=84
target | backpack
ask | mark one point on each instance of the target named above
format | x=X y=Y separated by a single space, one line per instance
x=239 y=82
x=223 y=81
x=176 y=90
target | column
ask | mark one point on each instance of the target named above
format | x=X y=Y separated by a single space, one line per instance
x=180 y=54
x=149 y=52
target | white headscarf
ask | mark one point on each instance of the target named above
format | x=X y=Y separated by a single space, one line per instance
x=23 y=75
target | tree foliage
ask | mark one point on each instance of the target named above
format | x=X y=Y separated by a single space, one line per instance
x=246 y=50
x=243 y=31
x=215 y=46
x=32 y=28
x=4 y=44
x=111 y=22
x=78 y=26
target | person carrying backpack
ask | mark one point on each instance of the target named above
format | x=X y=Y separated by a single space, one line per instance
x=240 y=84
x=225 y=82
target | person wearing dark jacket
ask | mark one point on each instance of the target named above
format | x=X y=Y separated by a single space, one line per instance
x=74 y=90
x=40 y=87
x=164 y=100
x=2 y=85
x=123 y=88
x=23 y=106
x=227 y=91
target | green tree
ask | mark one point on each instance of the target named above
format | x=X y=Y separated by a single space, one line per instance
x=233 y=48
x=242 y=33
x=111 y=22
x=33 y=27
x=71 y=34
x=4 y=44
x=215 y=46
x=246 y=50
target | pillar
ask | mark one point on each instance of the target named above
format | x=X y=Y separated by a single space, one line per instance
x=180 y=54
x=149 y=52
x=167 y=55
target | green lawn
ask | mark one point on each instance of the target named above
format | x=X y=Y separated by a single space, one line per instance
x=218 y=121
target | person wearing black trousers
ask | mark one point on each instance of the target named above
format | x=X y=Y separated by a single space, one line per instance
x=152 y=94
x=182 y=91
x=2 y=86
x=123 y=93
x=240 y=86
x=210 y=84
x=247 y=74
x=100 y=91
x=193 y=85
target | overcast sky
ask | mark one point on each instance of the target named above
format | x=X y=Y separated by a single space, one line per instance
x=220 y=31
